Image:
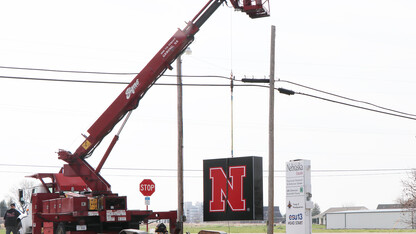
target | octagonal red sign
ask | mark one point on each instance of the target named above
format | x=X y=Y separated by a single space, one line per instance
x=147 y=187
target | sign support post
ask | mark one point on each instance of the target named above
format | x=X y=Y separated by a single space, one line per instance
x=147 y=203
x=147 y=188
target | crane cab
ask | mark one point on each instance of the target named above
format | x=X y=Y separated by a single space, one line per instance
x=253 y=8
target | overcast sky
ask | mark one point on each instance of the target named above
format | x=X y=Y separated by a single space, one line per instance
x=363 y=50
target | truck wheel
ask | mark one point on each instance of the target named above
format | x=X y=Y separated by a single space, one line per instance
x=60 y=229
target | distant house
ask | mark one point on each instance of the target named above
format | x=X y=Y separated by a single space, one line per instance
x=278 y=218
x=321 y=218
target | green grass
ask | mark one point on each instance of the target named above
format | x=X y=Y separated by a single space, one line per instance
x=262 y=228
x=232 y=228
x=321 y=229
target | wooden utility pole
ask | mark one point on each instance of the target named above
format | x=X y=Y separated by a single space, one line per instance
x=180 y=145
x=270 y=220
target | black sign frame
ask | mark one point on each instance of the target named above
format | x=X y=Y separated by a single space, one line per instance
x=227 y=172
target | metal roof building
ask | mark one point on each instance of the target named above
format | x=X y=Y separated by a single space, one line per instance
x=370 y=219
x=321 y=218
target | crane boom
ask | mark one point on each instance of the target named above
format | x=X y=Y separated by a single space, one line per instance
x=129 y=98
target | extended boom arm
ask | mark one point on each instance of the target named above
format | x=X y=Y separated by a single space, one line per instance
x=132 y=94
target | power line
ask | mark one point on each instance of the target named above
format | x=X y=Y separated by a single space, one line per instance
x=200 y=170
x=203 y=85
x=371 y=174
x=68 y=71
x=200 y=176
x=62 y=80
x=104 y=73
x=124 y=83
x=196 y=76
x=112 y=82
x=343 y=97
x=360 y=107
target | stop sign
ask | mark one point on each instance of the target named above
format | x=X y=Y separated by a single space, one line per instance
x=147 y=187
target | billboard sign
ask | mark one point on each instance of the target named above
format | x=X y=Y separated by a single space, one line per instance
x=233 y=189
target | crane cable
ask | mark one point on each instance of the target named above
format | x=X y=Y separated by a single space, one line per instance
x=232 y=78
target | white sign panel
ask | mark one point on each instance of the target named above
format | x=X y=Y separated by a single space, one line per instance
x=298 y=193
x=295 y=186
x=147 y=201
x=295 y=215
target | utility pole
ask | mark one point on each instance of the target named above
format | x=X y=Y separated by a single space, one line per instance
x=270 y=221
x=270 y=212
x=180 y=145
x=181 y=216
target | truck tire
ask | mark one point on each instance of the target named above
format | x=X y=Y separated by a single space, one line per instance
x=60 y=229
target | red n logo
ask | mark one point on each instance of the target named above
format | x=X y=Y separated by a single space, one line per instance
x=231 y=190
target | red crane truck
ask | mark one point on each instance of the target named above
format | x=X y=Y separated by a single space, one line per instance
x=78 y=199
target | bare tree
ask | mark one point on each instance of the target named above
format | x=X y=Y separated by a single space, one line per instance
x=14 y=197
x=408 y=198
x=3 y=208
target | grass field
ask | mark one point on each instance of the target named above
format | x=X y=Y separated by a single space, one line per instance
x=245 y=228
x=261 y=228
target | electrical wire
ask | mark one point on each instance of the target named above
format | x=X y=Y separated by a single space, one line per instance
x=104 y=73
x=61 y=80
x=195 y=76
x=200 y=176
x=360 y=107
x=315 y=173
x=125 y=83
x=114 y=82
x=68 y=71
x=199 y=170
x=343 y=97
x=201 y=85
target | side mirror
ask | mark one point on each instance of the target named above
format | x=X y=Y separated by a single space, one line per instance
x=21 y=198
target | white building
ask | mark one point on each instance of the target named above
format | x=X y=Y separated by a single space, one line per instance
x=370 y=219
x=321 y=218
x=193 y=213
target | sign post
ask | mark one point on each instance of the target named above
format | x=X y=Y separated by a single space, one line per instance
x=298 y=197
x=147 y=188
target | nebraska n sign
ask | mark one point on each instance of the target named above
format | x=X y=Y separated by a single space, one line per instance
x=233 y=189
